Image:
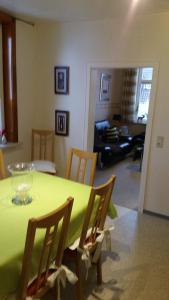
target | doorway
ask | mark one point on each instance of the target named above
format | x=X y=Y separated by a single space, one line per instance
x=101 y=87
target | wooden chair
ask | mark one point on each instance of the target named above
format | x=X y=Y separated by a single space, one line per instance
x=48 y=254
x=42 y=151
x=83 y=158
x=2 y=166
x=93 y=223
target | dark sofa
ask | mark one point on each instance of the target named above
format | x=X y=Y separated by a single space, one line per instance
x=110 y=144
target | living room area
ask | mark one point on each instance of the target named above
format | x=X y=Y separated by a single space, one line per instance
x=122 y=97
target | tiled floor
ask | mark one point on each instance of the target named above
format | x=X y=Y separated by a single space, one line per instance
x=126 y=190
x=138 y=266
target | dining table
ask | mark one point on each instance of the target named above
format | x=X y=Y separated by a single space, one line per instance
x=48 y=193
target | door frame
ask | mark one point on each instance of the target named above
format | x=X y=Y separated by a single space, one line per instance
x=90 y=116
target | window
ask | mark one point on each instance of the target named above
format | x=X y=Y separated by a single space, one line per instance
x=143 y=93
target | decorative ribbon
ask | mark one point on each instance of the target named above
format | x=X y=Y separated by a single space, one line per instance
x=85 y=251
x=103 y=234
x=60 y=275
x=86 y=256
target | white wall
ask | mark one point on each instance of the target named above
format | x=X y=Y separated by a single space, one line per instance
x=52 y=52
x=28 y=110
x=78 y=45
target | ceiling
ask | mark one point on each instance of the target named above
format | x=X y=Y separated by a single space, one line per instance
x=76 y=10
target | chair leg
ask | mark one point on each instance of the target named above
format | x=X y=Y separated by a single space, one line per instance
x=99 y=271
x=79 y=292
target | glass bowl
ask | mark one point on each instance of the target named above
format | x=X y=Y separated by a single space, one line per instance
x=21 y=182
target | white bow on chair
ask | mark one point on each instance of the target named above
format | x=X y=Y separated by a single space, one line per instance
x=85 y=251
x=103 y=234
x=60 y=275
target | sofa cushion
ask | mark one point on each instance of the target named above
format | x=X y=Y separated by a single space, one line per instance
x=100 y=127
x=111 y=135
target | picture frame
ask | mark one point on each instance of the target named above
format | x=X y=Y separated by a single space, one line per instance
x=105 y=87
x=61 y=75
x=62 y=122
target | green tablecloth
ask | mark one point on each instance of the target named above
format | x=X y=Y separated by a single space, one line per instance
x=48 y=193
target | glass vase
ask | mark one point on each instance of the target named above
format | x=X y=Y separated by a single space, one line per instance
x=21 y=182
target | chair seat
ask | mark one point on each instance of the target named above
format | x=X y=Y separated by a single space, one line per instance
x=31 y=290
x=75 y=245
x=45 y=166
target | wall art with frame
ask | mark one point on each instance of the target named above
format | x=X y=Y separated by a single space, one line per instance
x=105 y=87
x=61 y=75
x=62 y=122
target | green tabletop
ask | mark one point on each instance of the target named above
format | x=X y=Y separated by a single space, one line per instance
x=48 y=193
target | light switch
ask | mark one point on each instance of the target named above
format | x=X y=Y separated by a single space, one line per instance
x=160 y=142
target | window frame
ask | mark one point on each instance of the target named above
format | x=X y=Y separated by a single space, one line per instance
x=9 y=76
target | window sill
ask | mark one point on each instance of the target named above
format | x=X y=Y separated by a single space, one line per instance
x=10 y=145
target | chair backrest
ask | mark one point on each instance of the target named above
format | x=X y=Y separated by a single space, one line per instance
x=42 y=145
x=2 y=166
x=96 y=214
x=83 y=158
x=55 y=226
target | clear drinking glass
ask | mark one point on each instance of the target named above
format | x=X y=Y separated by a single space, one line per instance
x=21 y=182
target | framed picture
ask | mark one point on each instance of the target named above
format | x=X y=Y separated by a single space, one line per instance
x=61 y=80
x=105 y=84
x=61 y=122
